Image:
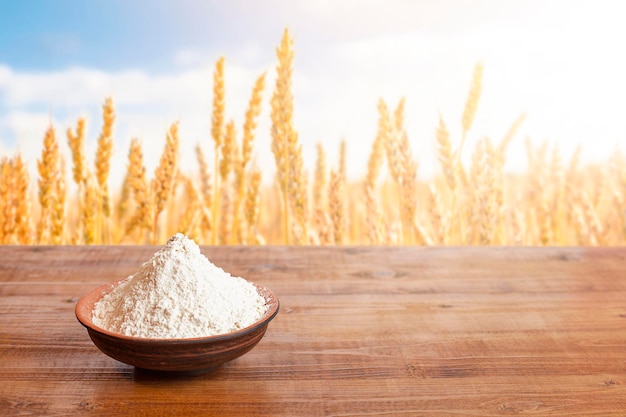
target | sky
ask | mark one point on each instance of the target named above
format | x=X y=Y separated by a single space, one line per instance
x=561 y=62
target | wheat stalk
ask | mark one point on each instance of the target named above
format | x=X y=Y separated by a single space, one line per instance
x=230 y=158
x=251 y=119
x=6 y=200
x=320 y=179
x=206 y=225
x=336 y=206
x=104 y=152
x=374 y=164
x=76 y=142
x=536 y=194
x=390 y=141
x=451 y=168
x=242 y=160
x=57 y=226
x=123 y=204
x=252 y=207
x=482 y=172
x=556 y=197
x=189 y=222
x=471 y=104
x=224 y=225
x=205 y=176
x=49 y=171
x=436 y=216
x=446 y=155
x=590 y=221
x=162 y=184
x=412 y=229
x=403 y=171
x=342 y=160
x=286 y=147
x=228 y=152
x=138 y=184
x=281 y=115
x=89 y=213
x=21 y=232
x=618 y=167
x=217 y=133
x=320 y=185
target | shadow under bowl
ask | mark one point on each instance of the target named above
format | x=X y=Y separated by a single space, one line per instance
x=174 y=354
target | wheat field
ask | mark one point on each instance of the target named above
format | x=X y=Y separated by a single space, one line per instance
x=226 y=201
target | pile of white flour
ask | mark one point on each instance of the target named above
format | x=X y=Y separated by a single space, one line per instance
x=179 y=293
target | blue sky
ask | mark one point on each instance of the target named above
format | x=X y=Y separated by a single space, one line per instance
x=113 y=34
x=560 y=61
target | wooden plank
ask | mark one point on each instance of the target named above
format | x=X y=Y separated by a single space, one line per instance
x=381 y=330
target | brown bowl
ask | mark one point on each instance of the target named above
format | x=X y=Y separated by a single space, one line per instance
x=170 y=354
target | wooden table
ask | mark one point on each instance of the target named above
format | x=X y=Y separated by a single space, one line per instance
x=361 y=331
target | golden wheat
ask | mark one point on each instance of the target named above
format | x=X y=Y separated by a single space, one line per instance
x=22 y=201
x=217 y=133
x=189 y=222
x=374 y=164
x=162 y=184
x=252 y=207
x=104 y=153
x=76 y=142
x=49 y=168
x=6 y=200
x=287 y=149
x=336 y=206
x=205 y=190
x=471 y=104
x=138 y=184
x=552 y=203
x=89 y=214
x=242 y=160
x=14 y=201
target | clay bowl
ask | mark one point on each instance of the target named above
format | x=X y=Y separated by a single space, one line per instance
x=181 y=355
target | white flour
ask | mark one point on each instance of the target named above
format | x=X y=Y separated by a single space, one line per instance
x=179 y=293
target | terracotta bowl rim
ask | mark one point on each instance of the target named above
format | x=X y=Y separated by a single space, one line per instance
x=97 y=293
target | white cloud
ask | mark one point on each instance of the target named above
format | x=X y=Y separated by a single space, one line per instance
x=567 y=80
x=145 y=107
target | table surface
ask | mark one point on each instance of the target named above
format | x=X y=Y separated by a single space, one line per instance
x=361 y=331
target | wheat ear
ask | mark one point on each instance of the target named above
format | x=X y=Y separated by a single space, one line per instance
x=253 y=207
x=104 y=152
x=446 y=154
x=252 y=115
x=6 y=200
x=471 y=104
x=217 y=133
x=336 y=206
x=343 y=150
x=89 y=212
x=320 y=178
x=189 y=222
x=286 y=147
x=374 y=164
x=49 y=168
x=164 y=177
x=76 y=142
x=483 y=215
x=142 y=217
x=206 y=225
x=242 y=160
x=22 y=201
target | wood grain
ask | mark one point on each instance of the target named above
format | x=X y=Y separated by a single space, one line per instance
x=361 y=331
